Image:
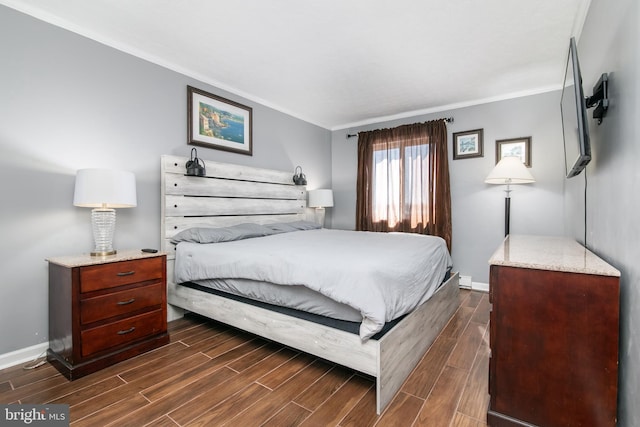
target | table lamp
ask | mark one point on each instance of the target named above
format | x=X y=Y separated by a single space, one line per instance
x=104 y=190
x=320 y=199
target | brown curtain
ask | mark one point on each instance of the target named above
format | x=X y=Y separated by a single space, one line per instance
x=403 y=180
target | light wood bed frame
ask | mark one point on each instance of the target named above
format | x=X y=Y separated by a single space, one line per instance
x=233 y=194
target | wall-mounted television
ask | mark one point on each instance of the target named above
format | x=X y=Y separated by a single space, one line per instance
x=573 y=107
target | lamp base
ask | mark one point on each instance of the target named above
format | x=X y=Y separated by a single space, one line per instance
x=320 y=216
x=103 y=222
x=113 y=252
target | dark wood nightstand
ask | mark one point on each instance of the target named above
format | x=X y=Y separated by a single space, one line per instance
x=103 y=310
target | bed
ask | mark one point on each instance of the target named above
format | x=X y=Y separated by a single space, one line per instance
x=230 y=195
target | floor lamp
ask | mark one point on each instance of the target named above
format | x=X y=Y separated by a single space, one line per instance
x=509 y=170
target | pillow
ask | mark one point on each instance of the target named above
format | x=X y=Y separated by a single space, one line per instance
x=223 y=234
x=285 y=227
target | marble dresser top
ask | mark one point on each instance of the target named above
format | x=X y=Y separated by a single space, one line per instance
x=550 y=253
x=82 y=260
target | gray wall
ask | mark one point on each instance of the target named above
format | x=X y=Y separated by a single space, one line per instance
x=478 y=208
x=68 y=103
x=609 y=43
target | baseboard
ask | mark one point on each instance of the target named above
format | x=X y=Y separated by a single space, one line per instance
x=479 y=286
x=23 y=355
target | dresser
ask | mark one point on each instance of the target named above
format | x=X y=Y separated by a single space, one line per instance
x=553 y=334
x=103 y=310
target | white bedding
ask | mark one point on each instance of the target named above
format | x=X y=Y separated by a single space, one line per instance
x=381 y=275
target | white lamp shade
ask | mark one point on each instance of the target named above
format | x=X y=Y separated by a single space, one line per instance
x=105 y=188
x=510 y=170
x=321 y=198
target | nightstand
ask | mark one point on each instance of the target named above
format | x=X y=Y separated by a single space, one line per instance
x=103 y=310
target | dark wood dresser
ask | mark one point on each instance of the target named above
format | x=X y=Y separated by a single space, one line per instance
x=553 y=335
x=103 y=310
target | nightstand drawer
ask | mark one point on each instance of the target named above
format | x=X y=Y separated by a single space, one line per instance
x=118 y=303
x=110 y=275
x=121 y=332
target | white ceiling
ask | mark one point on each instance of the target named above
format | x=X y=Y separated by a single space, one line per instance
x=340 y=63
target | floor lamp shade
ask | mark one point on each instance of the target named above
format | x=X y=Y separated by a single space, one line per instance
x=104 y=190
x=509 y=170
x=320 y=199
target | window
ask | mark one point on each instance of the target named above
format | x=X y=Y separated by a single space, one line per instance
x=403 y=180
x=400 y=188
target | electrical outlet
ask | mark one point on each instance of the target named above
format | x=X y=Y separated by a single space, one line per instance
x=465 y=282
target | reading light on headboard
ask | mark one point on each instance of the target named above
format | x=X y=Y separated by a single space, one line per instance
x=298 y=177
x=104 y=190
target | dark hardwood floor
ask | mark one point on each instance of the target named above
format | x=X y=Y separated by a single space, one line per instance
x=210 y=375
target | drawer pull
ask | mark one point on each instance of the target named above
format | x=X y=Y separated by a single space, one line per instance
x=126 y=273
x=127 y=331
x=126 y=302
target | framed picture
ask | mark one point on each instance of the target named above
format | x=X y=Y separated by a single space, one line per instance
x=518 y=147
x=468 y=144
x=216 y=122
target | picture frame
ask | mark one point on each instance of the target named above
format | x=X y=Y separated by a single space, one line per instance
x=468 y=144
x=219 y=123
x=519 y=147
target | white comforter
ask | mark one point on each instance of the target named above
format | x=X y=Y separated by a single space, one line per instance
x=382 y=275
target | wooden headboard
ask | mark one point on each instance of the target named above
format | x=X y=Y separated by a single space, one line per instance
x=228 y=195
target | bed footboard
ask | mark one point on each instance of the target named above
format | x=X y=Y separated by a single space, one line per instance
x=404 y=346
x=390 y=360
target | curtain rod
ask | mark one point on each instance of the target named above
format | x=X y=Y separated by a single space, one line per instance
x=446 y=119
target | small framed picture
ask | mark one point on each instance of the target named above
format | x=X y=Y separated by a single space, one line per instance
x=216 y=122
x=468 y=144
x=518 y=147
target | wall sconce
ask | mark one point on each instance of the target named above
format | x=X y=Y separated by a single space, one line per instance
x=320 y=199
x=104 y=190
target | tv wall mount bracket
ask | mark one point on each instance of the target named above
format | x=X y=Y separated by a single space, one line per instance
x=600 y=98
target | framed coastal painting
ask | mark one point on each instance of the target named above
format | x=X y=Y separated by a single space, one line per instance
x=518 y=147
x=468 y=144
x=216 y=122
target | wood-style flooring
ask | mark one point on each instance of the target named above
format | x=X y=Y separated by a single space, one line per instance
x=211 y=375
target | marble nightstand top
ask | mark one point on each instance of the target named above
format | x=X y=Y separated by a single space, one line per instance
x=82 y=260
